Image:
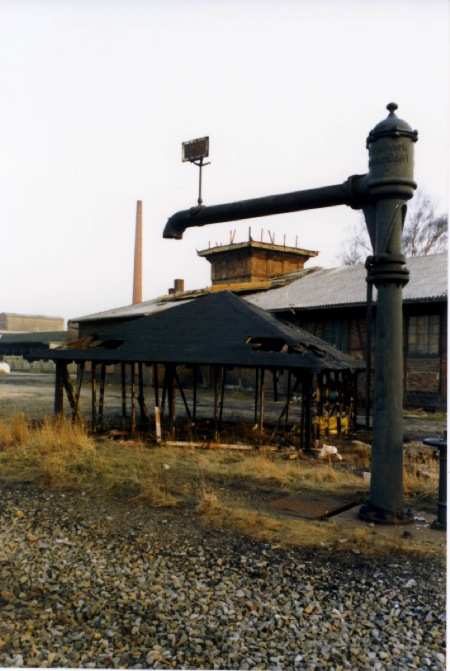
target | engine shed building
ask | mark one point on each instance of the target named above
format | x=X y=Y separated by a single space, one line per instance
x=223 y=332
x=330 y=303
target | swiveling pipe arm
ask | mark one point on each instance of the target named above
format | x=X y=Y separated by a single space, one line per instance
x=327 y=196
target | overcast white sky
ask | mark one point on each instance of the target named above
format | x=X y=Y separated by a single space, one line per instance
x=97 y=96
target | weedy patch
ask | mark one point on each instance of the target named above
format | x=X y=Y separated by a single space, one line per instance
x=224 y=489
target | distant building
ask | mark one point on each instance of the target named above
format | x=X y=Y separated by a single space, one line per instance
x=15 y=323
x=22 y=335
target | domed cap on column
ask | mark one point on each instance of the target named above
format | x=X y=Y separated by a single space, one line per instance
x=392 y=126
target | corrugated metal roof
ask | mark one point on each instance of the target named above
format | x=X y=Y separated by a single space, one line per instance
x=346 y=285
x=217 y=329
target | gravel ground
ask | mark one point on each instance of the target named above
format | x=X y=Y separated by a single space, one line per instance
x=101 y=584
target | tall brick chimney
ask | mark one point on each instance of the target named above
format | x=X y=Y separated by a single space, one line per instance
x=137 y=277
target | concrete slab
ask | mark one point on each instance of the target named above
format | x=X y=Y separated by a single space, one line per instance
x=419 y=529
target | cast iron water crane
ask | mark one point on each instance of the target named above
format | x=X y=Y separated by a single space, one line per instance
x=382 y=194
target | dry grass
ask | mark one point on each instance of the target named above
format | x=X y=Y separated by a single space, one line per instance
x=286 y=532
x=229 y=489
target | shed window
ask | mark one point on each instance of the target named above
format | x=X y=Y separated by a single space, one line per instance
x=423 y=334
x=336 y=333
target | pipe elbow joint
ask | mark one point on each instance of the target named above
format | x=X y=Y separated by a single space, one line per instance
x=357 y=191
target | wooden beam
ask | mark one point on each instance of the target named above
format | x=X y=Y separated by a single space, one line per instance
x=208 y=446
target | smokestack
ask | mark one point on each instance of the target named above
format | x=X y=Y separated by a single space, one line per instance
x=137 y=277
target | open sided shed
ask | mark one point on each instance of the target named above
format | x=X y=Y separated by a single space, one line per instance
x=219 y=330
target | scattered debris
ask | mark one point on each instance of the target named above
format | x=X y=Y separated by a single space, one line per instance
x=329 y=451
x=207 y=445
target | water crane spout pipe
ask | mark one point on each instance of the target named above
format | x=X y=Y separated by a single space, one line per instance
x=328 y=196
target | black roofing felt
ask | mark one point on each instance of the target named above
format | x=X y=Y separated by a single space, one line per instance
x=213 y=329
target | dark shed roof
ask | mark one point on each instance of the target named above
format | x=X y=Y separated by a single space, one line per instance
x=217 y=329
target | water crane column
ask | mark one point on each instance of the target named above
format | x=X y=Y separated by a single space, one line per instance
x=390 y=185
x=382 y=195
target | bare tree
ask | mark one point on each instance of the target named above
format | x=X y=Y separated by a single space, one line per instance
x=425 y=232
x=357 y=247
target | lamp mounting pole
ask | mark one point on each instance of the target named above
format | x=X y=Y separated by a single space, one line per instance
x=195 y=151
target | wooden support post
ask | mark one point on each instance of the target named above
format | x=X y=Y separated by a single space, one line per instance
x=289 y=396
x=216 y=395
x=285 y=409
x=194 y=401
x=256 y=394
x=338 y=379
x=303 y=416
x=172 y=402
x=67 y=382
x=101 y=403
x=133 y=399
x=164 y=390
x=261 y=405
x=177 y=379
x=222 y=392
x=155 y=384
x=307 y=400
x=124 y=395
x=93 y=397
x=80 y=374
x=216 y=401
x=145 y=417
x=275 y=385
x=58 y=407
x=352 y=382
x=157 y=425
x=169 y=391
x=316 y=423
